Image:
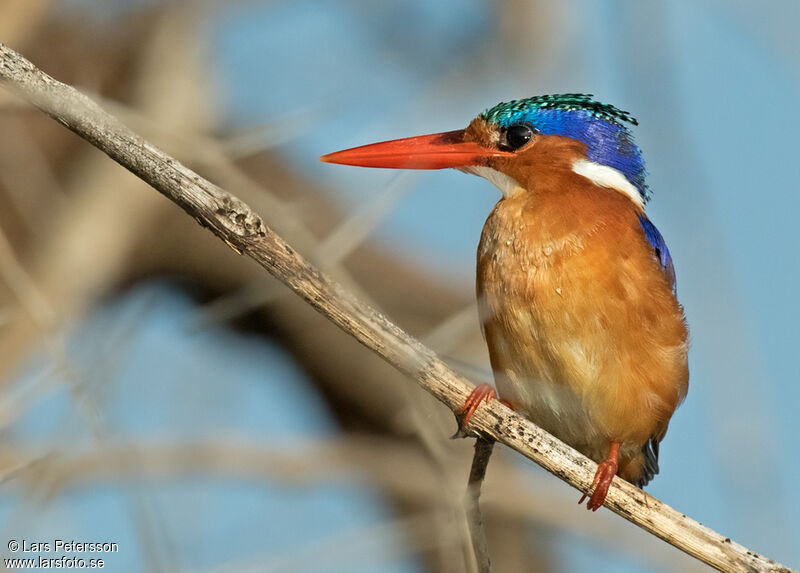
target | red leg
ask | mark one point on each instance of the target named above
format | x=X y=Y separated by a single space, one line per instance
x=602 y=479
x=482 y=393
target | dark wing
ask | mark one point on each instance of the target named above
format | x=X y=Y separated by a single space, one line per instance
x=660 y=247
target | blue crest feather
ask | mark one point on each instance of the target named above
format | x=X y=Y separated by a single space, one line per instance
x=600 y=126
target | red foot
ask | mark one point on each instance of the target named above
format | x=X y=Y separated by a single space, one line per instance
x=602 y=479
x=482 y=393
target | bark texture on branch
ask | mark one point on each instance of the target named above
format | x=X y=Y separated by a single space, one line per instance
x=244 y=231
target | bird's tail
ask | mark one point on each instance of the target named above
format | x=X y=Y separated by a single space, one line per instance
x=650 y=466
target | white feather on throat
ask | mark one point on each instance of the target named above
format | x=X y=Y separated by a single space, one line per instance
x=508 y=185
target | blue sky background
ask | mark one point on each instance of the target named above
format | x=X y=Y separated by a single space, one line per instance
x=714 y=86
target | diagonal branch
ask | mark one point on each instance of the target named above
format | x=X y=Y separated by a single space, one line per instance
x=244 y=231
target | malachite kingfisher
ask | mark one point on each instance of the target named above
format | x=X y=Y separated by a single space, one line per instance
x=576 y=286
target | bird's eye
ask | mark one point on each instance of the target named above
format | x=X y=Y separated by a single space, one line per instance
x=516 y=136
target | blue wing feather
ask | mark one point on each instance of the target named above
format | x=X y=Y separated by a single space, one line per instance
x=660 y=247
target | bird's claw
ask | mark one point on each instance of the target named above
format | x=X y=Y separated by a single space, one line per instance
x=599 y=488
x=481 y=393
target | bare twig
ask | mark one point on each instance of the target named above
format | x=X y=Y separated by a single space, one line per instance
x=244 y=231
x=480 y=460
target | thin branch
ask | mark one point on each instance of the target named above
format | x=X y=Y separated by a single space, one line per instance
x=244 y=231
x=477 y=473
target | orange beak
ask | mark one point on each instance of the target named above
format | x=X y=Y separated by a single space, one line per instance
x=435 y=151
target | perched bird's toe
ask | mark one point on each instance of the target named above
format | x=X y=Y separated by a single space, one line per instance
x=482 y=393
x=602 y=480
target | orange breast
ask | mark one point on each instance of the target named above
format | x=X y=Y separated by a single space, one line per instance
x=585 y=334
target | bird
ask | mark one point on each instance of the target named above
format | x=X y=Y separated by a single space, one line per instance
x=576 y=286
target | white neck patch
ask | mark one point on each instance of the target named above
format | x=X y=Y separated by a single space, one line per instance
x=606 y=176
x=508 y=185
